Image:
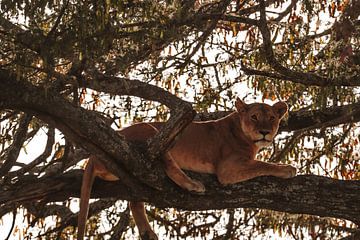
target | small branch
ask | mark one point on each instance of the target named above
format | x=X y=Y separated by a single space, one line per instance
x=39 y=159
x=229 y=225
x=162 y=141
x=288 y=145
x=306 y=78
x=239 y=19
x=219 y=13
x=57 y=22
x=123 y=223
x=255 y=8
x=286 y=11
x=12 y=152
x=14 y=213
x=200 y=43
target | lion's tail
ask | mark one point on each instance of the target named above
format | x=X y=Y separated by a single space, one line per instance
x=86 y=186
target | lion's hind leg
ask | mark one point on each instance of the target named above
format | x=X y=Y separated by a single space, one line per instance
x=141 y=220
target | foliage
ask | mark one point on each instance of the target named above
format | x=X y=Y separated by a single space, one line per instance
x=105 y=57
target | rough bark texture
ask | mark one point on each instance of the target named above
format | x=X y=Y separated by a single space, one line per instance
x=307 y=194
x=83 y=127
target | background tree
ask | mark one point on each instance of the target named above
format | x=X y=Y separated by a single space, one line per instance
x=76 y=71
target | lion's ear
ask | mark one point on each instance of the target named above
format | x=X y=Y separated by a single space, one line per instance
x=280 y=108
x=240 y=105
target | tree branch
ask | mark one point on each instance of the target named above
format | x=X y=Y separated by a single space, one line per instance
x=12 y=152
x=125 y=86
x=302 y=194
x=181 y=111
x=163 y=140
x=306 y=78
x=329 y=117
x=305 y=119
x=46 y=153
x=88 y=130
x=83 y=127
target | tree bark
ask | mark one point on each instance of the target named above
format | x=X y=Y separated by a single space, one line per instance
x=83 y=127
x=306 y=194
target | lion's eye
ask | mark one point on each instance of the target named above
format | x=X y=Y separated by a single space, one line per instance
x=272 y=118
x=254 y=117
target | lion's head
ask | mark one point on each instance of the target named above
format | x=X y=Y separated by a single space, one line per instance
x=260 y=121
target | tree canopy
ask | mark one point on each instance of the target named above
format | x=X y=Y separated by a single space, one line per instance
x=73 y=72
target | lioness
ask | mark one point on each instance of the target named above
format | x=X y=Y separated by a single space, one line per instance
x=225 y=147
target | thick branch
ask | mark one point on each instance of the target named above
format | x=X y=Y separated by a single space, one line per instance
x=307 y=79
x=88 y=130
x=328 y=117
x=303 y=194
x=181 y=111
x=83 y=127
x=305 y=119
x=125 y=86
x=163 y=140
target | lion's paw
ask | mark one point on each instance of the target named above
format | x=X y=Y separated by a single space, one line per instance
x=148 y=235
x=289 y=171
x=197 y=187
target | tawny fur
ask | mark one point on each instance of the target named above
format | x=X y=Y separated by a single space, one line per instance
x=224 y=147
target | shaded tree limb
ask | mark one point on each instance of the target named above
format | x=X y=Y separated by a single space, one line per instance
x=328 y=117
x=46 y=153
x=305 y=119
x=88 y=130
x=164 y=139
x=181 y=111
x=124 y=86
x=122 y=224
x=83 y=127
x=306 y=194
x=307 y=79
x=11 y=154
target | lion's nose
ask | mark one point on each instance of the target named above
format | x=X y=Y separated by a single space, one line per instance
x=264 y=132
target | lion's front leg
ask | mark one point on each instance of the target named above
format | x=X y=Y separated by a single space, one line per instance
x=236 y=170
x=175 y=173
